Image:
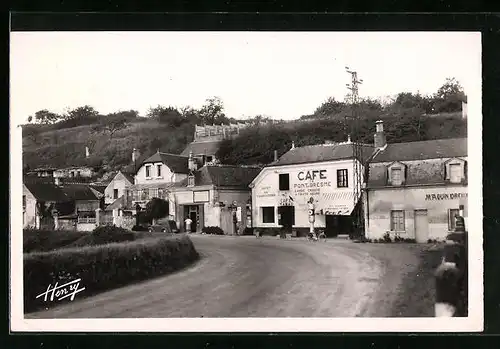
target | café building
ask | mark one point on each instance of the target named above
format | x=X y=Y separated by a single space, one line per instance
x=319 y=176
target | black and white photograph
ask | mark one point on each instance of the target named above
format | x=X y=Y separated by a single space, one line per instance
x=246 y=181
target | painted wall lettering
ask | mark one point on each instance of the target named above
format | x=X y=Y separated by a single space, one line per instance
x=445 y=196
x=310 y=175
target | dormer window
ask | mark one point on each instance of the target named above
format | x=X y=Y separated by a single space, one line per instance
x=396 y=177
x=455 y=170
x=397 y=171
x=191 y=180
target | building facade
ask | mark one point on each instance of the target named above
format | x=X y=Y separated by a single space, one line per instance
x=116 y=188
x=215 y=196
x=154 y=178
x=415 y=189
x=321 y=175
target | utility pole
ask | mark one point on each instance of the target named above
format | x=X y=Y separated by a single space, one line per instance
x=357 y=150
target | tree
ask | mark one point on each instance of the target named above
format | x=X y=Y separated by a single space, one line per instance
x=45 y=117
x=30 y=118
x=449 y=97
x=212 y=112
x=111 y=124
x=330 y=108
x=156 y=208
x=166 y=115
x=81 y=113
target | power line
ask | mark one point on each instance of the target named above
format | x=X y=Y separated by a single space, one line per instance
x=357 y=149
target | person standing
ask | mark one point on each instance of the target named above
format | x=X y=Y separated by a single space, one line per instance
x=188 y=223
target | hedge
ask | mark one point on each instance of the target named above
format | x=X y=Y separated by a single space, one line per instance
x=44 y=240
x=103 y=267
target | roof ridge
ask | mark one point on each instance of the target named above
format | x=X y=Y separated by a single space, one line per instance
x=171 y=154
x=429 y=140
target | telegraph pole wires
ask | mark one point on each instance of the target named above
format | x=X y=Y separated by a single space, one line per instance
x=357 y=149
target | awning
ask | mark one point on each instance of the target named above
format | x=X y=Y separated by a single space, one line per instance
x=338 y=203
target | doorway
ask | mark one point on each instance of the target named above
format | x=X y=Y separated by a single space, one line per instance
x=335 y=225
x=421 y=226
x=194 y=213
x=287 y=216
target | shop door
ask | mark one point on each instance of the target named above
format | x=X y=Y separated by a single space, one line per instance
x=287 y=214
x=331 y=226
x=421 y=226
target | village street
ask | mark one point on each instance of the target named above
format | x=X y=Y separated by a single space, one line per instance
x=267 y=277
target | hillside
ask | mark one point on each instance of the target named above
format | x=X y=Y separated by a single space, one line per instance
x=256 y=145
x=45 y=146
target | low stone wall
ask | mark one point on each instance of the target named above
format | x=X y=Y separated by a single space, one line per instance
x=85 y=226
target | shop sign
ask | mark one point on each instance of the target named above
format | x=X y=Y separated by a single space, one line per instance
x=265 y=192
x=445 y=196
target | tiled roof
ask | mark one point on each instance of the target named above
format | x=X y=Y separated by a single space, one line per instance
x=177 y=163
x=78 y=192
x=99 y=188
x=202 y=148
x=128 y=176
x=322 y=152
x=432 y=149
x=223 y=176
x=118 y=203
x=46 y=191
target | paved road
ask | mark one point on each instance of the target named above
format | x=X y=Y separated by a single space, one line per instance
x=248 y=277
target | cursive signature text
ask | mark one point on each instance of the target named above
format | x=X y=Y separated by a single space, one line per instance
x=60 y=292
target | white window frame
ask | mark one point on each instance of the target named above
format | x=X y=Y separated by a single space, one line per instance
x=148 y=171
x=117 y=194
x=158 y=170
x=393 y=224
x=448 y=166
x=273 y=215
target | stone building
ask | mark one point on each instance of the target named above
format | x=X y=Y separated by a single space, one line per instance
x=415 y=189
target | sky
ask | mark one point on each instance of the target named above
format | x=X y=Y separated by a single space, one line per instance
x=279 y=74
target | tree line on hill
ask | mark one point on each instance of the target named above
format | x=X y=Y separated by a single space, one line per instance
x=60 y=140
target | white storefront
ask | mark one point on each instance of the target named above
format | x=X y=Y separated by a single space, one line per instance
x=328 y=184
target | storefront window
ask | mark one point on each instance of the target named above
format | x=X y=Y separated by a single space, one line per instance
x=267 y=214
x=397 y=220
x=451 y=219
x=342 y=178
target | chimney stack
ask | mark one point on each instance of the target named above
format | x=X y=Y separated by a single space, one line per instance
x=134 y=156
x=293 y=145
x=87 y=153
x=191 y=162
x=379 y=137
x=348 y=138
x=275 y=155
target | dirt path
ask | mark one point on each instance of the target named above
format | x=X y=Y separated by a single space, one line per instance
x=248 y=277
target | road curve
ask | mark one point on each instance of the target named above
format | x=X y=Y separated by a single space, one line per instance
x=249 y=277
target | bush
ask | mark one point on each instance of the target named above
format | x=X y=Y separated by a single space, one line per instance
x=42 y=240
x=104 y=235
x=387 y=238
x=212 y=230
x=248 y=231
x=104 y=267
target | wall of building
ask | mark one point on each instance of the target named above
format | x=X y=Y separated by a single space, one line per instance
x=437 y=200
x=316 y=180
x=87 y=205
x=120 y=183
x=166 y=174
x=67 y=172
x=29 y=214
x=241 y=198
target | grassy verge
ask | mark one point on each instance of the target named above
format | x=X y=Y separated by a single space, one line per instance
x=103 y=267
x=417 y=295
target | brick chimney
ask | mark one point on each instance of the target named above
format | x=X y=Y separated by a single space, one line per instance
x=379 y=137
